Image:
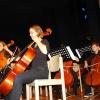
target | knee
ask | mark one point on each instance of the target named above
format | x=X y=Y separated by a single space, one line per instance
x=17 y=80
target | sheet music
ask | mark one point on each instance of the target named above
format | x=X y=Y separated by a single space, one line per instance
x=80 y=52
x=65 y=52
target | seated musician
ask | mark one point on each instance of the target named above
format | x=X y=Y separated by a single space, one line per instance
x=38 y=67
x=5 y=54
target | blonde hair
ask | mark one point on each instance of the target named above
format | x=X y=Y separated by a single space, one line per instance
x=3 y=43
x=38 y=29
x=3 y=51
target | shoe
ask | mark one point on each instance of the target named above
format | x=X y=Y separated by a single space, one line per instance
x=87 y=95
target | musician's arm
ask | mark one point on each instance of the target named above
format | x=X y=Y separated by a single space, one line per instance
x=87 y=61
x=8 y=50
x=77 y=59
x=9 y=60
x=42 y=47
x=86 y=64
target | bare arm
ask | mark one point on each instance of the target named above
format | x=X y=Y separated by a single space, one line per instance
x=41 y=46
x=8 y=50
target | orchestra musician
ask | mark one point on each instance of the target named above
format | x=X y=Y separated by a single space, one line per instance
x=5 y=54
x=93 y=59
x=38 y=67
x=96 y=49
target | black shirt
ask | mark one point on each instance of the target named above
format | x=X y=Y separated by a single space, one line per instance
x=40 y=61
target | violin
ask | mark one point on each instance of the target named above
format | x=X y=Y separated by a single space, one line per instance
x=3 y=61
x=3 y=58
x=10 y=43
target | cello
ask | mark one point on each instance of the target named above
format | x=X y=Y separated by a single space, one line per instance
x=92 y=77
x=68 y=77
x=20 y=66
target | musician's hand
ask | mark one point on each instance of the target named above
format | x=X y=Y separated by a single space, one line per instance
x=5 y=48
x=77 y=59
x=85 y=64
x=35 y=38
x=8 y=50
x=93 y=69
x=8 y=61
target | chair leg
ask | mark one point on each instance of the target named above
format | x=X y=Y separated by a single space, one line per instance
x=36 y=90
x=27 y=92
x=62 y=77
x=33 y=90
x=63 y=92
x=30 y=92
x=21 y=98
x=50 y=92
x=41 y=91
x=46 y=90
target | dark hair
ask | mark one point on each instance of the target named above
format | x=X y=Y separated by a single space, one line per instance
x=95 y=43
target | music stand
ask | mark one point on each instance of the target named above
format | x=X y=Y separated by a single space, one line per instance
x=65 y=52
x=80 y=52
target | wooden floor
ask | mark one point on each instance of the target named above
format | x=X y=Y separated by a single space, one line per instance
x=95 y=97
x=69 y=97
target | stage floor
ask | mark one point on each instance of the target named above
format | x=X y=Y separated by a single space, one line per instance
x=58 y=96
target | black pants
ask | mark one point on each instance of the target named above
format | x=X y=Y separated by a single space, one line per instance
x=76 y=83
x=86 y=87
x=24 y=78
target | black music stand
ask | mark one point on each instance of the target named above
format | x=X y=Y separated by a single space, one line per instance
x=65 y=52
x=80 y=52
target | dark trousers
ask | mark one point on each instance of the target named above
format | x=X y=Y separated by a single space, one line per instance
x=24 y=78
x=86 y=87
x=76 y=83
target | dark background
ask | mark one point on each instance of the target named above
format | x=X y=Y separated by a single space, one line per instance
x=66 y=18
